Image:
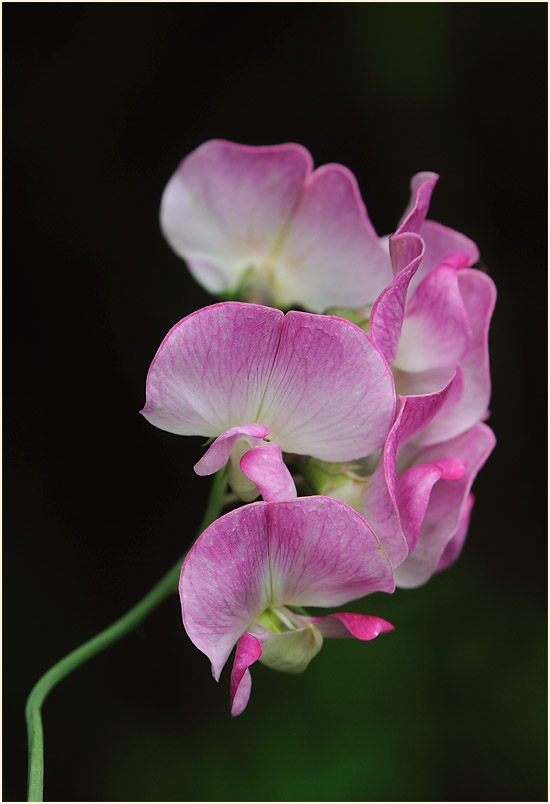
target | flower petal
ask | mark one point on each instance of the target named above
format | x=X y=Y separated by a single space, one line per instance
x=379 y=504
x=331 y=256
x=225 y=582
x=342 y=625
x=249 y=650
x=444 y=514
x=436 y=330
x=264 y=465
x=227 y=205
x=422 y=187
x=458 y=414
x=331 y=393
x=292 y=651
x=388 y=311
x=219 y=451
x=211 y=370
x=413 y=490
x=323 y=553
x=455 y=545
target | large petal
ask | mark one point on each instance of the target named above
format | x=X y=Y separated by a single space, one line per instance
x=225 y=581
x=211 y=370
x=249 y=650
x=444 y=513
x=323 y=553
x=331 y=255
x=331 y=394
x=226 y=207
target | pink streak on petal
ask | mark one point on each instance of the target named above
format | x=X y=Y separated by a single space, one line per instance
x=224 y=583
x=219 y=451
x=455 y=545
x=264 y=465
x=436 y=330
x=248 y=651
x=343 y=625
x=227 y=205
x=323 y=553
x=331 y=255
x=444 y=512
x=331 y=393
x=388 y=311
x=211 y=370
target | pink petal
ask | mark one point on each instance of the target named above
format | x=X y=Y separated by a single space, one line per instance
x=436 y=329
x=227 y=205
x=455 y=545
x=388 y=311
x=380 y=504
x=264 y=465
x=440 y=241
x=248 y=651
x=331 y=256
x=219 y=451
x=308 y=551
x=413 y=490
x=457 y=415
x=211 y=370
x=323 y=553
x=422 y=187
x=443 y=515
x=341 y=625
x=224 y=583
x=331 y=393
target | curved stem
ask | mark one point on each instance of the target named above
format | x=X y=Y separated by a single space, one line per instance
x=163 y=589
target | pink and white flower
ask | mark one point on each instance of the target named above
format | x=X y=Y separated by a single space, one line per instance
x=417 y=498
x=260 y=383
x=249 y=574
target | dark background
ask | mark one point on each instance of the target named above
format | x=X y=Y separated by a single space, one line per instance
x=101 y=103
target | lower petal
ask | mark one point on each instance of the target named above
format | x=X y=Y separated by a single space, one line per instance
x=343 y=625
x=248 y=651
x=265 y=467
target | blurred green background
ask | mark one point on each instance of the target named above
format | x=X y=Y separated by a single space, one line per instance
x=101 y=103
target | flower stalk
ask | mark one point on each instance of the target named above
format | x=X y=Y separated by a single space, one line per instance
x=167 y=586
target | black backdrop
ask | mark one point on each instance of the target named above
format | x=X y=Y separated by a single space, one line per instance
x=101 y=103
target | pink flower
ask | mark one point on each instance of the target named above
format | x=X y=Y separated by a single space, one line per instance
x=261 y=383
x=246 y=578
x=260 y=220
x=433 y=319
x=416 y=498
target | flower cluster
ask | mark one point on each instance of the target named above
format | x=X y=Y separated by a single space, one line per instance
x=378 y=410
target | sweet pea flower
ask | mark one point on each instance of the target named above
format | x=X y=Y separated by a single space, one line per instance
x=247 y=577
x=416 y=498
x=259 y=220
x=261 y=383
x=433 y=320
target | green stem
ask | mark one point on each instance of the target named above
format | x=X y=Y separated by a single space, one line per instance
x=163 y=589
